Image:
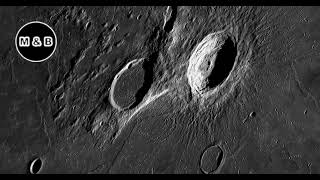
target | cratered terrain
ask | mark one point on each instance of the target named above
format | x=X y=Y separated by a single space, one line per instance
x=162 y=90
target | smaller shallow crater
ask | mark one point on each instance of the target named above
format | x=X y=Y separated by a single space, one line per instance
x=133 y=84
x=128 y=83
x=211 y=159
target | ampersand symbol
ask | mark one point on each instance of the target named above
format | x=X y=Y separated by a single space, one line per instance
x=36 y=42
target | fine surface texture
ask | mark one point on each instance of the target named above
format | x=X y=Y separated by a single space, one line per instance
x=119 y=94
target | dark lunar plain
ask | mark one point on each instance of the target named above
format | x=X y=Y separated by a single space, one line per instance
x=58 y=116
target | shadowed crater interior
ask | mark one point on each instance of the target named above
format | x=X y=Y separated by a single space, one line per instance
x=224 y=63
x=148 y=80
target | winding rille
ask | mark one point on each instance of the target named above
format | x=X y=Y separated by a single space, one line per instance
x=201 y=61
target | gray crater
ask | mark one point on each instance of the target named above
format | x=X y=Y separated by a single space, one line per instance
x=211 y=159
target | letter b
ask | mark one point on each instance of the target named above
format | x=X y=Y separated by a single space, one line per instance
x=48 y=41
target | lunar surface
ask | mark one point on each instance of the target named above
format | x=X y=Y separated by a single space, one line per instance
x=163 y=90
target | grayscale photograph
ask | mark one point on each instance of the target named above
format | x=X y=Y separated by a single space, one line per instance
x=160 y=89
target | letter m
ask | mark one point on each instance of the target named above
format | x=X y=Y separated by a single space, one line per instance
x=24 y=41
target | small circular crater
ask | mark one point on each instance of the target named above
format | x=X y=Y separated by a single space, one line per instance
x=211 y=159
x=130 y=14
x=35 y=166
x=139 y=17
x=253 y=114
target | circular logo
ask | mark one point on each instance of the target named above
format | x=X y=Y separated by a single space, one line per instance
x=36 y=41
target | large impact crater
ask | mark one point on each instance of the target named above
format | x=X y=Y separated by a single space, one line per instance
x=211 y=62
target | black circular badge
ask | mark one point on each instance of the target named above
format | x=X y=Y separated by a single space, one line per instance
x=36 y=41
